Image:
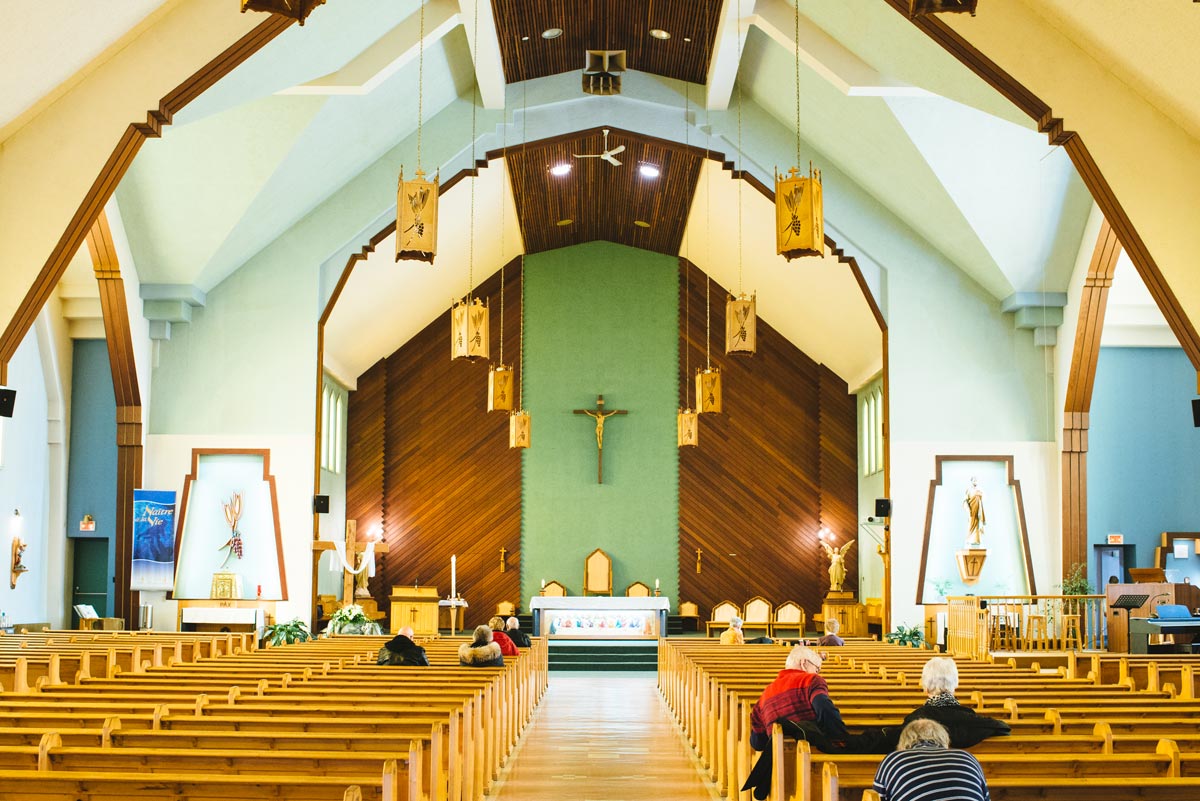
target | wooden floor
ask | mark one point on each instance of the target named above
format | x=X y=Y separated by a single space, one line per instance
x=603 y=737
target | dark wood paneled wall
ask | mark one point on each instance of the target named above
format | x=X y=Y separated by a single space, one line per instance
x=779 y=462
x=429 y=465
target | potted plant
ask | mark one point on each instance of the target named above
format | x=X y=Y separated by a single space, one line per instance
x=287 y=633
x=352 y=619
x=906 y=635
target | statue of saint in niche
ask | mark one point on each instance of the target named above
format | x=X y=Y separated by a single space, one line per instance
x=973 y=502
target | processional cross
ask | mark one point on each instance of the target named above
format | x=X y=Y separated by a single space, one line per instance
x=600 y=415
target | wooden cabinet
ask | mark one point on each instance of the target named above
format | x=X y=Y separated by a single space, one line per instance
x=416 y=607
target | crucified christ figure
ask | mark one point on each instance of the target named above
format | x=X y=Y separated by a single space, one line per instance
x=600 y=415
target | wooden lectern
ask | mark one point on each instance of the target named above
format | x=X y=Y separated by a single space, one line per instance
x=416 y=607
x=1157 y=593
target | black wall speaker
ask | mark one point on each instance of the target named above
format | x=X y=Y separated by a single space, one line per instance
x=8 y=399
x=1195 y=411
x=883 y=507
x=321 y=504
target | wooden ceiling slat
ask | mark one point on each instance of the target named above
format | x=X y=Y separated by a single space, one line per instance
x=603 y=201
x=608 y=25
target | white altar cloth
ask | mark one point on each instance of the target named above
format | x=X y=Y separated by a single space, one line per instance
x=599 y=617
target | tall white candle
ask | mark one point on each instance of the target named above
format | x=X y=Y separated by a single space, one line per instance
x=543 y=584
x=454 y=576
x=656 y=584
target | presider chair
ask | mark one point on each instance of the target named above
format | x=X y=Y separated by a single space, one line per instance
x=554 y=589
x=597 y=573
x=721 y=615
x=637 y=590
x=788 y=617
x=757 y=615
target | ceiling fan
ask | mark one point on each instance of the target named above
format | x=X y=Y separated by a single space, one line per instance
x=607 y=155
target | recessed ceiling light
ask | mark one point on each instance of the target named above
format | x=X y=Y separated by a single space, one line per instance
x=552 y=33
x=641 y=223
x=524 y=38
x=687 y=38
x=659 y=33
x=562 y=223
x=649 y=171
x=560 y=170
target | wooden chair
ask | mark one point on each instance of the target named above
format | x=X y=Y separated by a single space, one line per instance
x=788 y=617
x=758 y=615
x=690 y=612
x=554 y=589
x=721 y=614
x=637 y=590
x=597 y=573
x=506 y=609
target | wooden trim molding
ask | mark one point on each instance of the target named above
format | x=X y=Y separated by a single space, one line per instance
x=119 y=337
x=1012 y=482
x=265 y=453
x=1078 y=402
x=114 y=170
x=1167 y=545
x=1057 y=133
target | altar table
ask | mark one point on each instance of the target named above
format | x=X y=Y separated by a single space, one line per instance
x=599 y=617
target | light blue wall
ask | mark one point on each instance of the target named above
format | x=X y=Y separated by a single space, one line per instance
x=24 y=478
x=1143 y=451
x=93 y=446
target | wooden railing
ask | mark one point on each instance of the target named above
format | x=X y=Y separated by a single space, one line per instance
x=979 y=625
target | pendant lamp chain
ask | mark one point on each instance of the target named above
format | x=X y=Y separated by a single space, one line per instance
x=474 y=169
x=741 y=153
x=796 y=40
x=417 y=198
x=799 y=201
x=420 y=82
x=520 y=430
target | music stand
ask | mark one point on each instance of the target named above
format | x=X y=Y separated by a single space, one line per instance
x=1128 y=602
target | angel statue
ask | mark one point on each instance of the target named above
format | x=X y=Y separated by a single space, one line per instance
x=233 y=513
x=837 y=564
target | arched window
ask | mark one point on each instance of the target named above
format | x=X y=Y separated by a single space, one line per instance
x=333 y=427
x=871 y=432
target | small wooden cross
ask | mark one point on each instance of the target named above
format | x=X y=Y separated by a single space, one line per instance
x=600 y=416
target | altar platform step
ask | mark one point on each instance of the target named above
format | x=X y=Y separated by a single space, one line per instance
x=620 y=655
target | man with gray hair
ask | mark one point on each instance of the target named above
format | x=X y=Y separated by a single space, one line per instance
x=926 y=767
x=798 y=695
x=519 y=638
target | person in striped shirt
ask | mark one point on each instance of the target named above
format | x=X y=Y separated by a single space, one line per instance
x=926 y=768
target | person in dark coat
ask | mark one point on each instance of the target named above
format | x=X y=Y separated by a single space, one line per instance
x=401 y=650
x=513 y=628
x=481 y=651
x=939 y=679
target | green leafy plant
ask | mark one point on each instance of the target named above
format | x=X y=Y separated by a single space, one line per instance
x=906 y=635
x=1076 y=581
x=941 y=587
x=352 y=620
x=286 y=633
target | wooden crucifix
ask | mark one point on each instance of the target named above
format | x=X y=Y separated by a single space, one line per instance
x=600 y=415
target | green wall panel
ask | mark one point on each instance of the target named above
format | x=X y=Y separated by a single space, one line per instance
x=601 y=318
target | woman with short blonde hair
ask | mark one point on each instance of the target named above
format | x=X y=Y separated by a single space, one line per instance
x=926 y=768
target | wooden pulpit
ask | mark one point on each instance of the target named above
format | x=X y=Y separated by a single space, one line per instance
x=416 y=607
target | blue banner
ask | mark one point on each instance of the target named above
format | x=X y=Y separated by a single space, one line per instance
x=153 y=540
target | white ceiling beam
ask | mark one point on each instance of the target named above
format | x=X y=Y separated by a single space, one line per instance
x=489 y=69
x=387 y=56
x=826 y=56
x=727 y=49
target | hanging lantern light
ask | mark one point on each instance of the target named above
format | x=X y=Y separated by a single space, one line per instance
x=519 y=431
x=799 y=215
x=741 y=323
x=417 y=199
x=708 y=390
x=469 y=329
x=689 y=428
x=416 y=218
x=799 y=205
x=500 y=388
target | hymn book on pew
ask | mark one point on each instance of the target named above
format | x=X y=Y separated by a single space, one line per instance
x=86 y=612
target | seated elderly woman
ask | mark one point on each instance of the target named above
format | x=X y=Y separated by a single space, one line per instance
x=501 y=638
x=832 y=627
x=733 y=635
x=926 y=767
x=481 y=651
x=798 y=699
x=939 y=679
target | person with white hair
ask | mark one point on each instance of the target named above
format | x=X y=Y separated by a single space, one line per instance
x=798 y=699
x=926 y=767
x=832 y=627
x=733 y=635
x=512 y=627
x=939 y=679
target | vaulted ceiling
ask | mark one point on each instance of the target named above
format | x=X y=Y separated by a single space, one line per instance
x=308 y=134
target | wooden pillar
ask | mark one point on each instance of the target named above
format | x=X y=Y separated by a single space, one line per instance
x=1078 y=401
x=129 y=409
